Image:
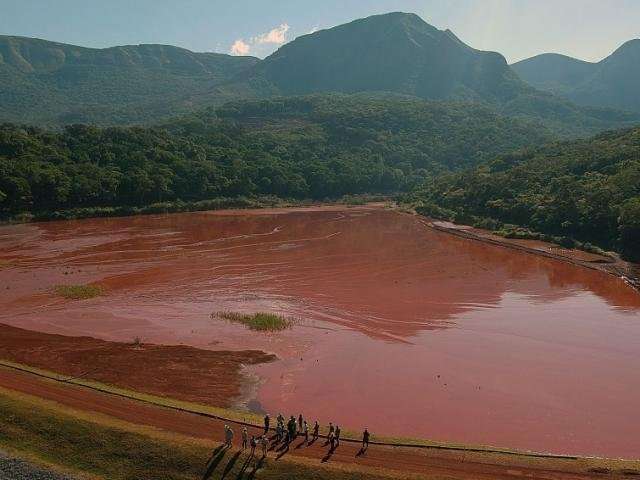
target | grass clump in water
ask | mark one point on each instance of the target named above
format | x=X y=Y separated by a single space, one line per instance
x=261 y=321
x=78 y=292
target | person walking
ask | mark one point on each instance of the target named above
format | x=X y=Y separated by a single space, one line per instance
x=228 y=436
x=245 y=438
x=305 y=431
x=265 y=444
x=291 y=429
x=280 y=419
x=253 y=444
x=279 y=432
x=365 y=440
x=337 y=436
x=300 y=420
x=267 y=421
x=332 y=440
x=316 y=430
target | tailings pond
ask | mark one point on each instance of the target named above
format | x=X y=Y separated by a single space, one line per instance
x=405 y=330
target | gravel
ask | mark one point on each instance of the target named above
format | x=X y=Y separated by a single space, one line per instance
x=12 y=468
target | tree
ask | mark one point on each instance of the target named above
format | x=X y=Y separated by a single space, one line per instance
x=629 y=229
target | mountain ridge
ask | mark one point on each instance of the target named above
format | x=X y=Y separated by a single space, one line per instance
x=612 y=82
x=53 y=84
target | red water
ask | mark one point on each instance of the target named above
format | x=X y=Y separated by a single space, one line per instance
x=402 y=329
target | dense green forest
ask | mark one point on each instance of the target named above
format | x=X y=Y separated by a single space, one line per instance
x=588 y=190
x=303 y=147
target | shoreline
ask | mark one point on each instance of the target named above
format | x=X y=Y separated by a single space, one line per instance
x=611 y=265
x=252 y=420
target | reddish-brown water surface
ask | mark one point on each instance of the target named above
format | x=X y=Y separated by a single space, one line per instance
x=403 y=329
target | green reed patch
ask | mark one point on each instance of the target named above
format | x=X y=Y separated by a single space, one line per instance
x=261 y=321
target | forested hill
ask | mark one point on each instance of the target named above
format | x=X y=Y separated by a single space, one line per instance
x=302 y=147
x=50 y=83
x=587 y=190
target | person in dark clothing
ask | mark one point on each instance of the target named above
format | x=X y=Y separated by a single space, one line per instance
x=305 y=432
x=253 y=444
x=300 y=420
x=267 y=421
x=291 y=427
x=316 y=430
x=332 y=440
x=337 y=436
x=365 y=440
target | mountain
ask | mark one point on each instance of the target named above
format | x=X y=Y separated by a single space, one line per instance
x=553 y=72
x=401 y=53
x=52 y=83
x=613 y=82
x=395 y=52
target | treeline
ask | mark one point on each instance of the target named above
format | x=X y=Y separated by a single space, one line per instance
x=312 y=147
x=586 y=190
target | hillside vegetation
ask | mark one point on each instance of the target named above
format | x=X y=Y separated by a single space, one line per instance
x=306 y=147
x=49 y=83
x=587 y=190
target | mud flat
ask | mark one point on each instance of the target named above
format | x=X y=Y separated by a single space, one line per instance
x=404 y=329
x=177 y=371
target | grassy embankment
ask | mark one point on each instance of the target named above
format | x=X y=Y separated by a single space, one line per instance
x=260 y=321
x=52 y=434
x=78 y=292
x=49 y=434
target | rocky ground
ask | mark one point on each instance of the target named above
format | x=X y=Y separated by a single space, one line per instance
x=12 y=468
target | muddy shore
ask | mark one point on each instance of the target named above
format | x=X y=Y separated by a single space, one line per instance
x=210 y=377
x=610 y=263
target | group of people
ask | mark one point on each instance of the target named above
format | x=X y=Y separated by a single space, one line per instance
x=288 y=432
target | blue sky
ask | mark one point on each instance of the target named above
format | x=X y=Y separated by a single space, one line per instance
x=587 y=29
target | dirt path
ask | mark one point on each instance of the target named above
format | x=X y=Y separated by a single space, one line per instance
x=450 y=464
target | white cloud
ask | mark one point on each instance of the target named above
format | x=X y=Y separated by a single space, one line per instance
x=240 y=47
x=276 y=35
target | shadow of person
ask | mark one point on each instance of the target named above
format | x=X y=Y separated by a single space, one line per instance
x=283 y=451
x=214 y=461
x=232 y=461
x=300 y=445
x=244 y=466
x=256 y=467
x=327 y=457
x=361 y=452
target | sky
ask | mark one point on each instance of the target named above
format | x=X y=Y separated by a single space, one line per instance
x=585 y=29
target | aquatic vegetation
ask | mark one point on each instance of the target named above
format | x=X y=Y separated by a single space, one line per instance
x=78 y=292
x=260 y=321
